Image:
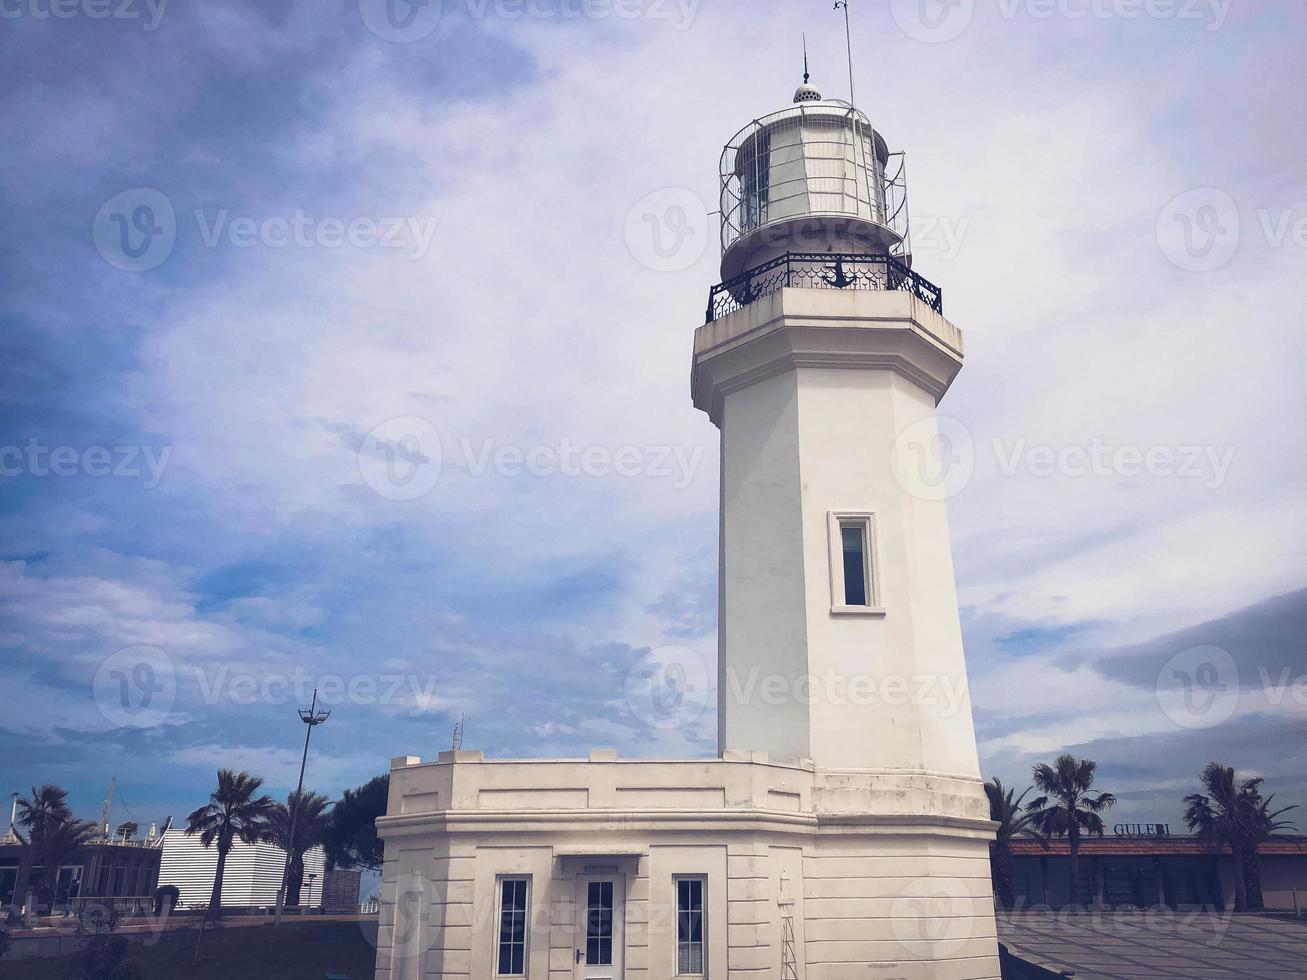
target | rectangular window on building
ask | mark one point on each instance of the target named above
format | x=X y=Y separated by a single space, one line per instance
x=689 y=926
x=854 y=582
x=854 y=540
x=514 y=896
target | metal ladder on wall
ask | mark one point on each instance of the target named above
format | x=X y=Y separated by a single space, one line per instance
x=789 y=960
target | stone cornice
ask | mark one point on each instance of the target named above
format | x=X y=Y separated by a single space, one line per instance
x=815 y=328
x=752 y=820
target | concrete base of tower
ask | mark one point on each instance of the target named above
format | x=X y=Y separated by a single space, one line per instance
x=719 y=868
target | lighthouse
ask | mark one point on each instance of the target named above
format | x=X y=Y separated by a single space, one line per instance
x=842 y=831
x=822 y=364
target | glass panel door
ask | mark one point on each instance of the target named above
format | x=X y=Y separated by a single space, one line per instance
x=601 y=911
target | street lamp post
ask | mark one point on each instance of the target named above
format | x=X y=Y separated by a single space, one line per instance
x=312 y=718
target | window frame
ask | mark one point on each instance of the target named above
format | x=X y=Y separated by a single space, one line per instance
x=500 y=881
x=865 y=521
x=703 y=922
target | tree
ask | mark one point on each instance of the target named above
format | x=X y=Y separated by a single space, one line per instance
x=232 y=813
x=38 y=814
x=1067 y=807
x=1265 y=824
x=127 y=830
x=308 y=812
x=47 y=806
x=59 y=845
x=1012 y=822
x=1234 y=813
x=352 y=840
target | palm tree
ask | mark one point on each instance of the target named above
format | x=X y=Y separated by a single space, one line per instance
x=1012 y=822
x=1233 y=813
x=1074 y=810
x=1265 y=823
x=60 y=842
x=46 y=807
x=308 y=812
x=232 y=813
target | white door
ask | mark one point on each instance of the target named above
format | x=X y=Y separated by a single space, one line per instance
x=600 y=918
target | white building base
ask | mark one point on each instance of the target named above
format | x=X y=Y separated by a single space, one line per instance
x=885 y=874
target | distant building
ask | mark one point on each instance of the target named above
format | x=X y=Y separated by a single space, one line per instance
x=251 y=878
x=124 y=873
x=1152 y=869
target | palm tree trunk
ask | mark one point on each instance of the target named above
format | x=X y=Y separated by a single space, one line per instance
x=1240 y=887
x=295 y=877
x=1252 y=876
x=1000 y=866
x=215 y=899
x=1075 y=866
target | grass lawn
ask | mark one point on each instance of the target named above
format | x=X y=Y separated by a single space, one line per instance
x=296 y=951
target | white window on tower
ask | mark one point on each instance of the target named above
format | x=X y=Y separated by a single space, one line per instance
x=514 y=899
x=691 y=894
x=854 y=575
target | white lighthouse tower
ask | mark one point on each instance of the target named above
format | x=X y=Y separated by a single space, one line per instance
x=822 y=363
x=843 y=829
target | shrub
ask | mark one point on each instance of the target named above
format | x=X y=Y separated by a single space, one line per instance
x=161 y=896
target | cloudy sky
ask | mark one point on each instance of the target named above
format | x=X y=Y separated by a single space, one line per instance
x=350 y=347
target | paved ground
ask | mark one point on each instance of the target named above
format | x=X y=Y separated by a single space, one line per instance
x=1153 y=944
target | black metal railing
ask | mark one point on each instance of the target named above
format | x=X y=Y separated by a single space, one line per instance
x=820 y=270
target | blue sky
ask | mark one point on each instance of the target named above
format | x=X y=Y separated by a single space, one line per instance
x=469 y=193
